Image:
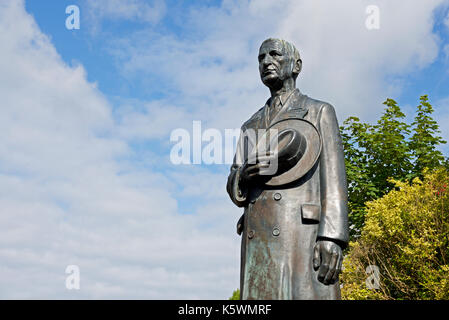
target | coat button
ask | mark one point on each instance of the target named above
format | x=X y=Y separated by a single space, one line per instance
x=276 y=232
x=277 y=196
x=251 y=234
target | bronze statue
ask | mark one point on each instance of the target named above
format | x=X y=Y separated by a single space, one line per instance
x=295 y=221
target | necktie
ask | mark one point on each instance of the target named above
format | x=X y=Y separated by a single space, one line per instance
x=274 y=108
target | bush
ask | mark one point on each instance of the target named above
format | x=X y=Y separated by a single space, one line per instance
x=406 y=235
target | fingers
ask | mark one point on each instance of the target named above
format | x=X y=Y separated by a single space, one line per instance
x=338 y=269
x=256 y=167
x=254 y=170
x=248 y=171
x=316 y=256
x=255 y=158
x=332 y=266
x=325 y=262
x=331 y=261
x=266 y=158
x=256 y=164
x=324 y=268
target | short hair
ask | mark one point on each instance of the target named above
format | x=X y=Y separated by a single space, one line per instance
x=288 y=47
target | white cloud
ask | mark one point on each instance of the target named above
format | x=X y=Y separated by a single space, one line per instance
x=155 y=121
x=129 y=10
x=215 y=66
x=67 y=197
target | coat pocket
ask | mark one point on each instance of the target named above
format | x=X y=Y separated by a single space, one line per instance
x=311 y=213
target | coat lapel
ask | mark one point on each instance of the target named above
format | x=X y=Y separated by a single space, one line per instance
x=293 y=107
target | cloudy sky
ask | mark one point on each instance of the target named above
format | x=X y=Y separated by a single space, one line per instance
x=86 y=117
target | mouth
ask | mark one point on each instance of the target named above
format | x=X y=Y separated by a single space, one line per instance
x=268 y=71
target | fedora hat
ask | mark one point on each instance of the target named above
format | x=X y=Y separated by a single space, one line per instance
x=296 y=144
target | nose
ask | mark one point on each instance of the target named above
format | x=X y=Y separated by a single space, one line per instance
x=266 y=61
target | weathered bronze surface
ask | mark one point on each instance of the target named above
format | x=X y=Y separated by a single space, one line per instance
x=295 y=221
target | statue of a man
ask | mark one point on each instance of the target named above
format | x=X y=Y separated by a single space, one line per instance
x=295 y=221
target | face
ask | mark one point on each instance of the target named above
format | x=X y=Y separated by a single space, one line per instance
x=275 y=65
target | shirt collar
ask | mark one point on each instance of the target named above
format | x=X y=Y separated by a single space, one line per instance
x=283 y=98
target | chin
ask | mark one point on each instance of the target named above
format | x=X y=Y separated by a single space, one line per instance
x=270 y=80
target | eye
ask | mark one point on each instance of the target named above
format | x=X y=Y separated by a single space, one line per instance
x=261 y=57
x=275 y=53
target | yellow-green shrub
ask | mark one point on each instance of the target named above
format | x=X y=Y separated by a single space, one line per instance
x=406 y=236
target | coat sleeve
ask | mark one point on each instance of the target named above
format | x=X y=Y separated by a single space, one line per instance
x=334 y=193
x=236 y=191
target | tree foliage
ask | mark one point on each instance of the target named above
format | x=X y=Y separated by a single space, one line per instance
x=235 y=295
x=388 y=149
x=423 y=143
x=407 y=236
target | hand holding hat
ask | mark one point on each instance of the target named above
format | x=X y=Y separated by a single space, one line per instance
x=291 y=153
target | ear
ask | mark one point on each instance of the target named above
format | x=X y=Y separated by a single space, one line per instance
x=297 y=67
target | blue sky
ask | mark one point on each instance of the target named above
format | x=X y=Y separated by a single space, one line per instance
x=90 y=48
x=96 y=47
x=85 y=172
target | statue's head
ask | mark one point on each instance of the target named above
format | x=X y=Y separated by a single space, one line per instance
x=279 y=61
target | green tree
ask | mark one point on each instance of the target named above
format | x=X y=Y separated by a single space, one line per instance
x=389 y=152
x=356 y=138
x=406 y=236
x=235 y=295
x=373 y=154
x=425 y=139
x=390 y=148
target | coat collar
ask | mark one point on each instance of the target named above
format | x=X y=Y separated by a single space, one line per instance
x=293 y=105
x=283 y=98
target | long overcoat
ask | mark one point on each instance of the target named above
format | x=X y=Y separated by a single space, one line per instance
x=282 y=224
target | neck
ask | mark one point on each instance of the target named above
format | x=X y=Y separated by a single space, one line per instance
x=287 y=86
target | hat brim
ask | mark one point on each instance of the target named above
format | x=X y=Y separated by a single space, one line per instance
x=310 y=156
